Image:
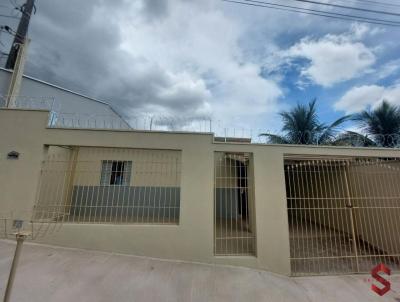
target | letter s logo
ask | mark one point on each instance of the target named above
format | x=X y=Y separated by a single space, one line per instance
x=380 y=268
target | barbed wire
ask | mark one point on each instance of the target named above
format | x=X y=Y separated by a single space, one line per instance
x=202 y=124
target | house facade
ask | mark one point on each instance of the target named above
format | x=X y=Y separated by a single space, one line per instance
x=292 y=210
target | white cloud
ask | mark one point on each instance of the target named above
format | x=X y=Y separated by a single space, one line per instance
x=387 y=69
x=171 y=58
x=189 y=58
x=230 y=85
x=334 y=58
x=363 y=97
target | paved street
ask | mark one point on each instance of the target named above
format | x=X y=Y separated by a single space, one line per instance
x=58 y=274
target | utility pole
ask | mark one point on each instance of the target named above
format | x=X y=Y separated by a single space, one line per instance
x=20 y=35
x=16 y=77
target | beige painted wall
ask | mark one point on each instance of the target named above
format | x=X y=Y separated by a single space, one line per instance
x=160 y=168
x=192 y=239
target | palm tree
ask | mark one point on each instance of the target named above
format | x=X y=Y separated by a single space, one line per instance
x=302 y=126
x=381 y=126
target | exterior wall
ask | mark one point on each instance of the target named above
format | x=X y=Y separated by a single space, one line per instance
x=192 y=239
x=19 y=179
x=146 y=164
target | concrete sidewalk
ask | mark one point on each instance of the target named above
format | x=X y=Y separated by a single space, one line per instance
x=57 y=274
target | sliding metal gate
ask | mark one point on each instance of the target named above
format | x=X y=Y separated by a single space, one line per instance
x=343 y=214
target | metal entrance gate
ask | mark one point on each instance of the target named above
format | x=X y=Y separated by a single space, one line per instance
x=343 y=214
x=234 y=219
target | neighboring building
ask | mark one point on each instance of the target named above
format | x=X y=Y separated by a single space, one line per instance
x=68 y=108
x=293 y=210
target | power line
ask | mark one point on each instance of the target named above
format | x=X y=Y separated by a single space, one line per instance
x=317 y=13
x=369 y=3
x=346 y=7
x=377 y=3
x=9 y=30
x=8 y=16
x=323 y=12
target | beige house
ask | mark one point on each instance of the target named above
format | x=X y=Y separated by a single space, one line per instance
x=293 y=210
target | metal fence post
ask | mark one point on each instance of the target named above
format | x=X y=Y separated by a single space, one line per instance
x=20 y=240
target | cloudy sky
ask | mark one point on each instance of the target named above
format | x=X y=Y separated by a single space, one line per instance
x=238 y=65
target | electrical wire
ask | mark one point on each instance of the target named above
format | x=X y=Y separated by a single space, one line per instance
x=13 y=2
x=322 y=11
x=317 y=13
x=7 y=16
x=10 y=31
x=325 y=12
x=376 y=3
x=344 y=7
x=369 y=3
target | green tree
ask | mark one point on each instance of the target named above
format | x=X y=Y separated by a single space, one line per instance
x=302 y=126
x=380 y=126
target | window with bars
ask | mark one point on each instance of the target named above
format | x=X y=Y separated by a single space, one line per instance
x=115 y=173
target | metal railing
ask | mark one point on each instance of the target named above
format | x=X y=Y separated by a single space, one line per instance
x=234 y=219
x=116 y=186
x=343 y=214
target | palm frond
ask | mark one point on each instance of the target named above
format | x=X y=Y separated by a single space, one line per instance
x=354 y=139
x=382 y=123
x=329 y=133
x=275 y=139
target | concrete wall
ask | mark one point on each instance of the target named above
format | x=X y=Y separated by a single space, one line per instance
x=192 y=239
